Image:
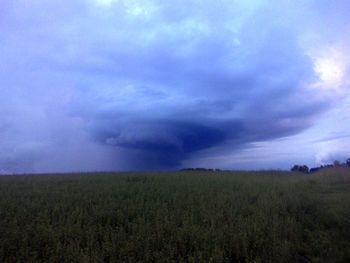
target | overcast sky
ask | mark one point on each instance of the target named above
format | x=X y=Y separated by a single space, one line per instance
x=103 y=85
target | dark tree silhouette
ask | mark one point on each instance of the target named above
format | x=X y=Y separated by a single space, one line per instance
x=300 y=168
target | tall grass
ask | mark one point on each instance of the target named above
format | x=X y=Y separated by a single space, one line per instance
x=269 y=216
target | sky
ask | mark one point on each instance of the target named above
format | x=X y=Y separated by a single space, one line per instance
x=114 y=85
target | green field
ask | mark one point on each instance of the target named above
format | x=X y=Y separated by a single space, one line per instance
x=266 y=216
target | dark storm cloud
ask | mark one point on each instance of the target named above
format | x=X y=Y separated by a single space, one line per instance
x=168 y=142
x=164 y=143
x=233 y=94
x=108 y=85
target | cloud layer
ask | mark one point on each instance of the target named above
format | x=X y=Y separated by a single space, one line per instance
x=114 y=85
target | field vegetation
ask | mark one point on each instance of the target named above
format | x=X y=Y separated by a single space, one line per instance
x=187 y=216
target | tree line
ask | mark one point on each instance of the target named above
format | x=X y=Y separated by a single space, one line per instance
x=305 y=168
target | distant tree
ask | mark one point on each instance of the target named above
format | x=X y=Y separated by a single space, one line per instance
x=336 y=163
x=348 y=162
x=304 y=169
x=315 y=169
x=300 y=168
x=295 y=168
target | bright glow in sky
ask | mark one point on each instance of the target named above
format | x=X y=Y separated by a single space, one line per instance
x=92 y=85
x=331 y=69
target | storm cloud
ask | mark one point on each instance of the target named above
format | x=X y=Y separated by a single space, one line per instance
x=114 y=85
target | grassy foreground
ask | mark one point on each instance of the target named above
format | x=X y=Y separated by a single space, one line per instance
x=176 y=217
